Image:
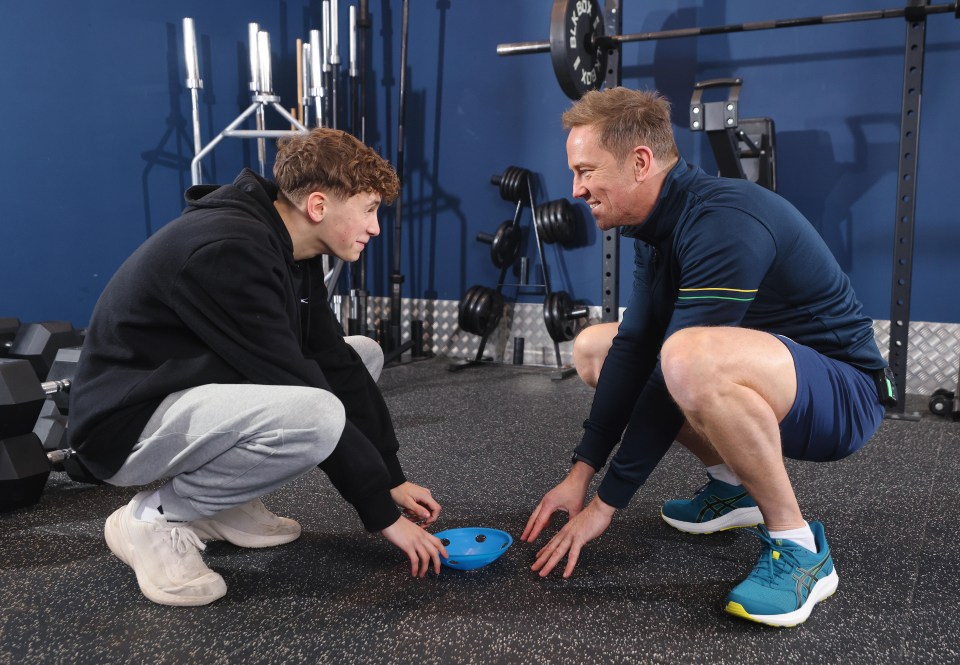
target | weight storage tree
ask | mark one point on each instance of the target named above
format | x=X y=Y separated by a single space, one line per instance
x=481 y=307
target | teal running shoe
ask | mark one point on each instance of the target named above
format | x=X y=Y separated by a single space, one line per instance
x=786 y=583
x=716 y=506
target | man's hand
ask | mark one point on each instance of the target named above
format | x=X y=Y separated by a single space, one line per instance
x=416 y=502
x=576 y=533
x=419 y=546
x=567 y=497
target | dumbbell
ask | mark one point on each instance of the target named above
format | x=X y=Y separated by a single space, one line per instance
x=8 y=331
x=51 y=426
x=39 y=343
x=504 y=244
x=24 y=464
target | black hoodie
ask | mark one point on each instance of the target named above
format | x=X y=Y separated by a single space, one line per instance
x=217 y=297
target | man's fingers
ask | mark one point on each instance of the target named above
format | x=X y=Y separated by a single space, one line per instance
x=551 y=562
x=529 y=526
x=538 y=522
x=572 y=557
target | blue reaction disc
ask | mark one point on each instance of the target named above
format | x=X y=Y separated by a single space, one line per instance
x=473 y=547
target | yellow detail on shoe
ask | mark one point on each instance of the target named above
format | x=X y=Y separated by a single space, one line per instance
x=736 y=609
x=776 y=555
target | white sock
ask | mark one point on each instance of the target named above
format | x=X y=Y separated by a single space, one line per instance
x=149 y=508
x=802 y=536
x=723 y=473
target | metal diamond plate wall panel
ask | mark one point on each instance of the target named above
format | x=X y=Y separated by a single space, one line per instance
x=933 y=354
x=444 y=337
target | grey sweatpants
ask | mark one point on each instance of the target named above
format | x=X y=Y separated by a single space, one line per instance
x=222 y=445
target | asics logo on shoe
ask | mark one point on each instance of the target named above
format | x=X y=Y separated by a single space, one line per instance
x=806 y=579
x=718 y=506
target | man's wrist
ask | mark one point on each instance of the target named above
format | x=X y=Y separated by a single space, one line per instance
x=602 y=506
x=577 y=457
x=582 y=472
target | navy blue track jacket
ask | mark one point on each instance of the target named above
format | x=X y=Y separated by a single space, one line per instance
x=714 y=252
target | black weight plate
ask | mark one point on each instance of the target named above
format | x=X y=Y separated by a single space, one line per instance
x=579 y=64
x=564 y=222
x=505 y=245
x=466 y=314
x=512 y=183
x=542 y=222
x=556 y=310
x=490 y=309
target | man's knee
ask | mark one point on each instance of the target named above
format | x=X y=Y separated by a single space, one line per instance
x=690 y=362
x=590 y=349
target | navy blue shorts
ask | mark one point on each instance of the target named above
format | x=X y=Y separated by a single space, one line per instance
x=836 y=411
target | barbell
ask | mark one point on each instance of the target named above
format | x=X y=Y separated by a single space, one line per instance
x=579 y=49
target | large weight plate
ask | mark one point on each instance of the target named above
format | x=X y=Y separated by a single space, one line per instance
x=557 y=309
x=579 y=63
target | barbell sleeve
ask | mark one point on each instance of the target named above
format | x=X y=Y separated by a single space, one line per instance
x=263 y=57
x=190 y=54
x=522 y=48
x=252 y=30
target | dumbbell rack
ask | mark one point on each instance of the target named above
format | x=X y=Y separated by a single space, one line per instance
x=515 y=185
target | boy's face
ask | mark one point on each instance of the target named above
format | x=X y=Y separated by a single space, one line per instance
x=349 y=224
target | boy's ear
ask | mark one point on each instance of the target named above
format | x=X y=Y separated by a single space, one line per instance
x=316 y=206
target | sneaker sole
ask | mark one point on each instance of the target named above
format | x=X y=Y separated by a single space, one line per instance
x=822 y=590
x=735 y=519
x=111 y=533
x=210 y=530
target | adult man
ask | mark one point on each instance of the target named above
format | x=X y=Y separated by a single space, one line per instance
x=213 y=362
x=742 y=340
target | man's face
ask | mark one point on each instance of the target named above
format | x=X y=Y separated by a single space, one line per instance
x=608 y=186
x=348 y=225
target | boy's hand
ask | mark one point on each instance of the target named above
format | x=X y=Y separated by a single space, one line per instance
x=419 y=546
x=417 y=503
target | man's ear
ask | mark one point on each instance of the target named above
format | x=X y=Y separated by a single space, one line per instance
x=316 y=206
x=642 y=160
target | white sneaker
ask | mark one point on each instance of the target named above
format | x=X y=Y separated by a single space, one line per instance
x=165 y=557
x=249 y=525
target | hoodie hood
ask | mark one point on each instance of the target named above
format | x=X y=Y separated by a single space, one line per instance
x=249 y=193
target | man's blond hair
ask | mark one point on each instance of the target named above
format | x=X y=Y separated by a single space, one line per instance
x=624 y=119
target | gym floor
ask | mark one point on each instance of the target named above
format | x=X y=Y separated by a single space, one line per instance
x=489 y=441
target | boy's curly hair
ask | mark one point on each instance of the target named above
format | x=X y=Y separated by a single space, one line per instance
x=330 y=160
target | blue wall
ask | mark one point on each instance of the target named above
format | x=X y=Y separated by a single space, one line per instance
x=98 y=140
